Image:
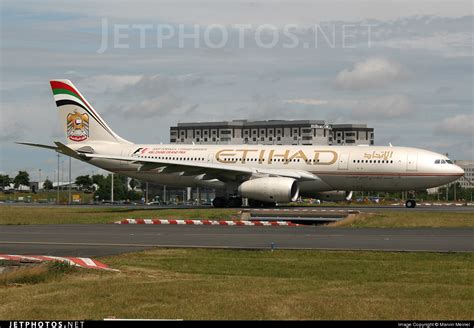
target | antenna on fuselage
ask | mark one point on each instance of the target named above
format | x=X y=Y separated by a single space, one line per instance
x=390 y=144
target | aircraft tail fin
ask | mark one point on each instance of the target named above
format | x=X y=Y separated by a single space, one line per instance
x=81 y=122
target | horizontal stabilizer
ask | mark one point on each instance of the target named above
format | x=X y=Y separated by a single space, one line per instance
x=37 y=145
x=63 y=149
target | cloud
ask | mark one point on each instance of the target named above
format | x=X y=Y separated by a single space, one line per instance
x=57 y=133
x=158 y=106
x=459 y=125
x=306 y=101
x=161 y=84
x=370 y=73
x=108 y=83
x=266 y=107
x=191 y=109
x=12 y=132
x=251 y=12
x=458 y=44
x=443 y=90
x=164 y=85
x=161 y=94
x=148 y=85
x=386 y=107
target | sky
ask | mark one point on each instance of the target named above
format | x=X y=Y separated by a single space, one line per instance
x=404 y=68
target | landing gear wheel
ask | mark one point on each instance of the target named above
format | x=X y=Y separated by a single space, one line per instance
x=219 y=202
x=258 y=203
x=234 y=202
x=411 y=203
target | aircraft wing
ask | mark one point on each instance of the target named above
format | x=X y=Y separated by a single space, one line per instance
x=208 y=170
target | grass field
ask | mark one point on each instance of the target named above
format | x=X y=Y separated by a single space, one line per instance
x=229 y=284
x=409 y=219
x=74 y=214
x=64 y=215
x=47 y=196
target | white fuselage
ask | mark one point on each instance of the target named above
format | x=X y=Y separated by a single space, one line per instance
x=358 y=168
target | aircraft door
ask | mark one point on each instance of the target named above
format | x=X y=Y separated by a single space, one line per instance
x=412 y=161
x=343 y=161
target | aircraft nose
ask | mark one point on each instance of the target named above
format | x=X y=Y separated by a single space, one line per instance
x=457 y=170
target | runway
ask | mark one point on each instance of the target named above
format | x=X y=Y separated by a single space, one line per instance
x=90 y=240
x=361 y=208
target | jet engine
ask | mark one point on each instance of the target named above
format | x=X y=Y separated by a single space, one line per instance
x=270 y=189
x=334 y=196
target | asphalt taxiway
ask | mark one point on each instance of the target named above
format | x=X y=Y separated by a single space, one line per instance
x=362 y=208
x=86 y=240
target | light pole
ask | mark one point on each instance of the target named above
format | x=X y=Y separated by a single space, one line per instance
x=57 y=187
x=112 y=189
x=146 y=193
x=454 y=191
x=62 y=170
x=69 y=196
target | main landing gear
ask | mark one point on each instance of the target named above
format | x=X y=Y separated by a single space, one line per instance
x=257 y=203
x=234 y=201
x=411 y=203
x=221 y=202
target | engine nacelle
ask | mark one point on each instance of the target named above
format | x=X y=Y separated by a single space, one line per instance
x=270 y=189
x=334 y=196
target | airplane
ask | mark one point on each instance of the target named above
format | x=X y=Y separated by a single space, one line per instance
x=264 y=174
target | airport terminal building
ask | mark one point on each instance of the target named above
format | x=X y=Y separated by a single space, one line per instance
x=467 y=181
x=272 y=132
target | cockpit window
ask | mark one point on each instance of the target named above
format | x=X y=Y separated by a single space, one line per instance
x=442 y=161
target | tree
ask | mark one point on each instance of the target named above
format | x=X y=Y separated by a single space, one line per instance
x=48 y=184
x=98 y=179
x=134 y=184
x=5 y=180
x=104 y=184
x=22 y=178
x=84 y=182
